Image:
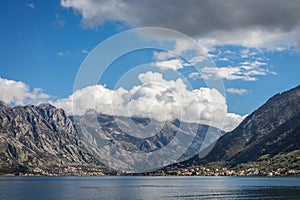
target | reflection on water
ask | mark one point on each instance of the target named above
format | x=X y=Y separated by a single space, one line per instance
x=148 y=188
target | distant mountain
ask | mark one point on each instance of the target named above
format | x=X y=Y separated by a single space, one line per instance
x=39 y=137
x=272 y=129
x=108 y=137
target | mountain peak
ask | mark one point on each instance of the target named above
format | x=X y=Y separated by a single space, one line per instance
x=3 y=104
x=46 y=106
x=39 y=137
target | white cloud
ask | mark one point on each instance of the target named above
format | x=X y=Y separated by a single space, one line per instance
x=252 y=38
x=245 y=53
x=63 y=53
x=246 y=71
x=239 y=91
x=198 y=52
x=182 y=46
x=174 y=64
x=232 y=119
x=164 y=55
x=84 y=51
x=18 y=93
x=249 y=52
x=156 y=98
x=251 y=65
x=31 y=5
x=194 y=75
x=230 y=73
x=223 y=59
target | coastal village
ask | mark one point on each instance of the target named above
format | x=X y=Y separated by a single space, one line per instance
x=253 y=170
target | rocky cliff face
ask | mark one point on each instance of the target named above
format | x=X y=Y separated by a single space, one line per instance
x=271 y=129
x=39 y=136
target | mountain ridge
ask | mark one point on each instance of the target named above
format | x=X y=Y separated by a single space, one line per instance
x=276 y=111
x=271 y=134
x=40 y=137
x=44 y=137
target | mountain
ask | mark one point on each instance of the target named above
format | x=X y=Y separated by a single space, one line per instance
x=39 y=138
x=44 y=140
x=131 y=143
x=272 y=129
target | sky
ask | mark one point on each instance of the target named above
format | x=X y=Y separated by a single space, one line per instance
x=251 y=47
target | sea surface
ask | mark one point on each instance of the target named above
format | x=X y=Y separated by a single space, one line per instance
x=133 y=187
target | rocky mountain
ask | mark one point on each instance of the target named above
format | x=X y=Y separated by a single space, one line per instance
x=131 y=143
x=39 y=138
x=272 y=129
x=44 y=139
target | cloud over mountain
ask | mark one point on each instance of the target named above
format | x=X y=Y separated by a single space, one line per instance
x=156 y=98
x=19 y=93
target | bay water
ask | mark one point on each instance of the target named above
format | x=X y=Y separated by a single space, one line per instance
x=145 y=187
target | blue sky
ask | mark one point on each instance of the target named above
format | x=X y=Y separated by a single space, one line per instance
x=43 y=44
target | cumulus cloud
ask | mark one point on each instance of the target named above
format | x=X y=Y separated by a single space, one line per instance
x=19 y=93
x=156 y=98
x=239 y=91
x=252 y=23
x=232 y=118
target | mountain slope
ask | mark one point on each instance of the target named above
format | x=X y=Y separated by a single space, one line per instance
x=284 y=139
x=39 y=137
x=118 y=141
x=271 y=129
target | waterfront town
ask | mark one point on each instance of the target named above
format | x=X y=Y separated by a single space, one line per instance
x=177 y=170
x=253 y=170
